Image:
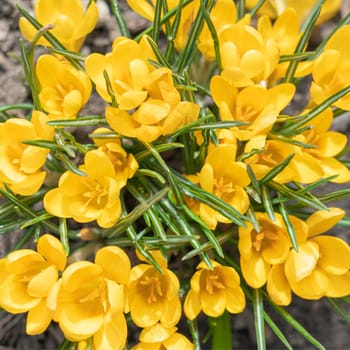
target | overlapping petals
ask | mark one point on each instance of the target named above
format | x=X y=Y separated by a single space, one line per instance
x=159 y=337
x=222 y=176
x=71 y=23
x=21 y=164
x=213 y=291
x=27 y=278
x=91 y=197
x=64 y=90
x=331 y=70
x=89 y=299
x=154 y=296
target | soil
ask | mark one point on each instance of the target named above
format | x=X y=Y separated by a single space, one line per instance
x=316 y=316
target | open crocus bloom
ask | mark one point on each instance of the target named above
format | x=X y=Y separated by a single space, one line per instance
x=64 y=90
x=88 y=301
x=154 y=296
x=259 y=113
x=127 y=68
x=71 y=23
x=91 y=197
x=213 y=291
x=222 y=176
x=27 y=277
x=319 y=268
x=262 y=249
x=20 y=164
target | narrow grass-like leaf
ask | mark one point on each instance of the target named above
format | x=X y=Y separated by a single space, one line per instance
x=160 y=57
x=316 y=203
x=26 y=237
x=258 y=308
x=339 y=309
x=308 y=25
x=207 y=246
x=91 y=120
x=193 y=327
x=212 y=201
x=24 y=106
x=267 y=203
x=290 y=228
x=136 y=213
x=256 y=8
x=207 y=232
x=277 y=331
x=69 y=165
x=296 y=56
x=276 y=170
x=297 y=326
x=303 y=119
x=118 y=15
x=29 y=72
x=336 y=195
x=36 y=220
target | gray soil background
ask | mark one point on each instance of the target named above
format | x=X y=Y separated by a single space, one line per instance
x=316 y=316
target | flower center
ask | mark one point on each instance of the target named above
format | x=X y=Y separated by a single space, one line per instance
x=153 y=288
x=96 y=192
x=220 y=187
x=258 y=238
x=213 y=282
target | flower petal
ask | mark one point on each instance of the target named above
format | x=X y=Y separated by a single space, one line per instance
x=38 y=319
x=192 y=305
x=115 y=263
x=52 y=250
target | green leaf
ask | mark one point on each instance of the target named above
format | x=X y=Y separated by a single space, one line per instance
x=259 y=323
x=221 y=330
x=339 y=309
x=297 y=326
x=276 y=170
x=118 y=15
x=92 y=120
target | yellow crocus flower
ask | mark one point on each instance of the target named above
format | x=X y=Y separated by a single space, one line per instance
x=213 y=291
x=27 y=277
x=71 y=23
x=20 y=164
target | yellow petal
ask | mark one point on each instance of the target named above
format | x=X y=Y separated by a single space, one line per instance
x=105 y=166
x=132 y=99
x=334 y=254
x=80 y=321
x=72 y=103
x=40 y=285
x=52 y=250
x=24 y=260
x=213 y=304
x=55 y=203
x=156 y=333
x=235 y=298
x=145 y=314
x=331 y=143
x=255 y=270
x=338 y=285
x=30 y=185
x=38 y=319
x=142 y=7
x=323 y=220
x=178 y=341
x=192 y=305
x=171 y=312
x=332 y=166
x=277 y=286
x=301 y=264
x=80 y=273
x=112 y=335
x=115 y=263
x=14 y=297
x=312 y=287
x=121 y=121
x=223 y=92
